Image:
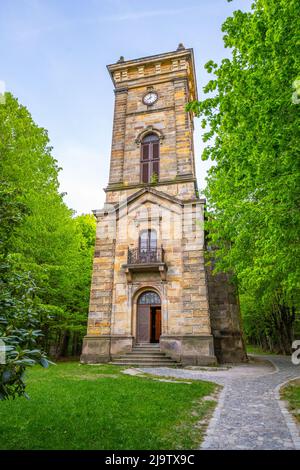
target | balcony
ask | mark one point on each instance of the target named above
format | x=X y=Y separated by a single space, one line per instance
x=148 y=256
x=146 y=260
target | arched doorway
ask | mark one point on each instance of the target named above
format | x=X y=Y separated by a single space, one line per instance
x=148 y=317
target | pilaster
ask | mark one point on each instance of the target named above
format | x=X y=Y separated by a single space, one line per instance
x=118 y=136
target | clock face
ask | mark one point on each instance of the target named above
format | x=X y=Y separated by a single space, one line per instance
x=150 y=98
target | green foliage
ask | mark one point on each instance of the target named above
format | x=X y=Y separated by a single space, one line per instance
x=251 y=123
x=46 y=252
x=68 y=288
x=154 y=178
x=19 y=330
x=12 y=212
x=291 y=394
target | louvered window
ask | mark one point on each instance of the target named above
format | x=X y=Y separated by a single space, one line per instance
x=150 y=159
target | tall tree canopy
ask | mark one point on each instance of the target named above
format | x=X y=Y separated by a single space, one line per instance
x=45 y=252
x=251 y=122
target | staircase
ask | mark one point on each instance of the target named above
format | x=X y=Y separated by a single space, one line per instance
x=143 y=355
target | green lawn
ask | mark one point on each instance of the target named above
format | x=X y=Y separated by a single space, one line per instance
x=291 y=393
x=251 y=349
x=75 y=406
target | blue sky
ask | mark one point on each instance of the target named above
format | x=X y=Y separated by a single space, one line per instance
x=53 y=59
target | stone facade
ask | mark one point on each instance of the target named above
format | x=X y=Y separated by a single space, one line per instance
x=225 y=318
x=169 y=206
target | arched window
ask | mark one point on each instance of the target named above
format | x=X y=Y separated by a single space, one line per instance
x=150 y=159
x=149 y=298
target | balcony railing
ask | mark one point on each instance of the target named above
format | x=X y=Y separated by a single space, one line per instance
x=145 y=256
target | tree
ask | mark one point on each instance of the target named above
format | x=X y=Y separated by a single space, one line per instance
x=251 y=122
x=45 y=253
x=19 y=330
x=18 y=314
x=72 y=292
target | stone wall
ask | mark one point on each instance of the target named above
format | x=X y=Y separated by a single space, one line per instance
x=185 y=310
x=99 y=321
x=174 y=82
x=185 y=191
x=118 y=137
x=225 y=318
x=195 y=312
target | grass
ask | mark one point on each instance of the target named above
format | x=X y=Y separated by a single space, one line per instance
x=291 y=393
x=251 y=349
x=74 y=406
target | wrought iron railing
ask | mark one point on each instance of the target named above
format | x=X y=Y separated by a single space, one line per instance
x=146 y=256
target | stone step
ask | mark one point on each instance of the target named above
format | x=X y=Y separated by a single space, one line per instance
x=151 y=345
x=147 y=344
x=135 y=360
x=145 y=364
x=144 y=348
x=151 y=351
x=143 y=357
x=146 y=353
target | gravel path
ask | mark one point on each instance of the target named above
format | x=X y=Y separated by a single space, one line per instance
x=249 y=414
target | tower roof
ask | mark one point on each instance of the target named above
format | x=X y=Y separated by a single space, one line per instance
x=146 y=70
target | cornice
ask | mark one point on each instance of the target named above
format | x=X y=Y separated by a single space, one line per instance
x=123 y=187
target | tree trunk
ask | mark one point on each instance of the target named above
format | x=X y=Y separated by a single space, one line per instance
x=64 y=344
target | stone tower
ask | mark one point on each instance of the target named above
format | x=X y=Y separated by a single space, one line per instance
x=149 y=281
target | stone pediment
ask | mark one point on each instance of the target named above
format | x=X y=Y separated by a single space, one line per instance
x=149 y=196
x=156 y=193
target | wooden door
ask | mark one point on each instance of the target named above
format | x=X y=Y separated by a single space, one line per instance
x=157 y=323
x=143 y=323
